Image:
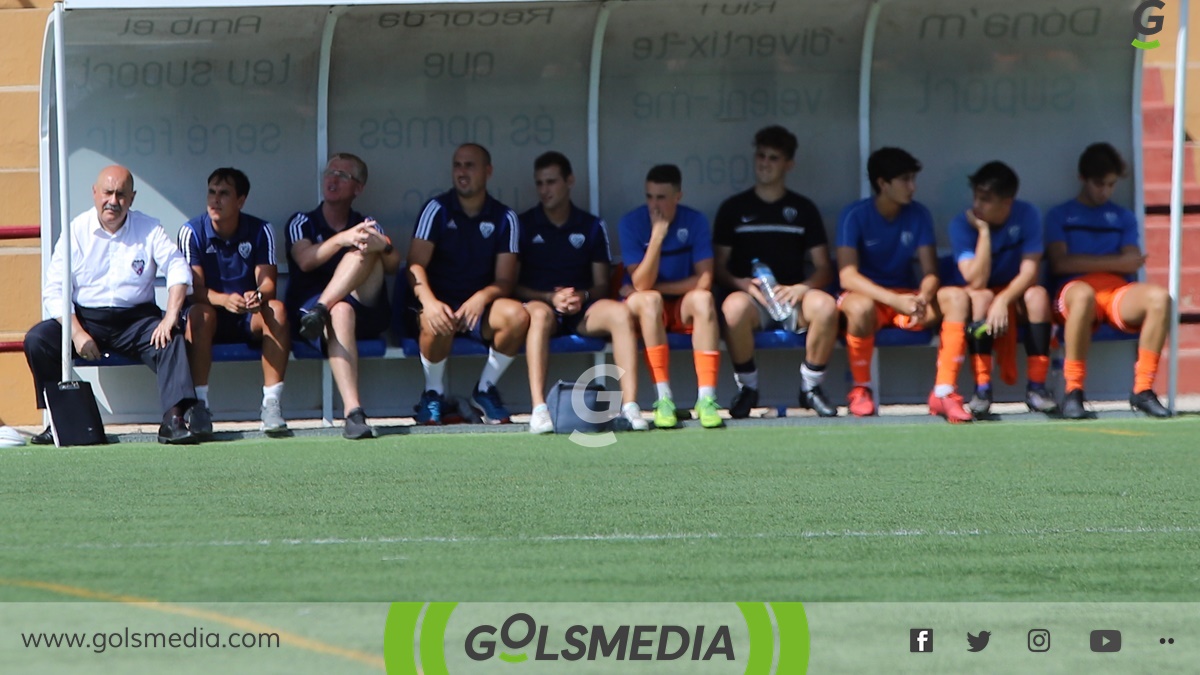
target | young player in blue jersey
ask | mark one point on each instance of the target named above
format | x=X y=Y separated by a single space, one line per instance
x=877 y=240
x=997 y=245
x=784 y=230
x=338 y=260
x=667 y=251
x=565 y=267
x=462 y=265
x=1092 y=246
x=232 y=256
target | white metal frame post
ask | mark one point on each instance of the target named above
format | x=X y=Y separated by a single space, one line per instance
x=1181 y=67
x=64 y=219
x=327 y=36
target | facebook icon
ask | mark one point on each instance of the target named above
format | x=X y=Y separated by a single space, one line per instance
x=920 y=640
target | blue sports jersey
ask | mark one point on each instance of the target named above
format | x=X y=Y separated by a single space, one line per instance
x=228 y=264
x=1091 y=230
x=465 y=248
x=558 y=257
x=688 y=241
x=1019 y=236
x=886 y=249
x=312 y=226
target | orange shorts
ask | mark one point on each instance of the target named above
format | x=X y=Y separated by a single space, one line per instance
x=1110 y=288
x=886 y=316
x=673 y=316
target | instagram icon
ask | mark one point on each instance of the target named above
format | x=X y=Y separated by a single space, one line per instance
x=1039 y=640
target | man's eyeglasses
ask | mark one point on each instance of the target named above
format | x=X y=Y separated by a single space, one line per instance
x=339 y=174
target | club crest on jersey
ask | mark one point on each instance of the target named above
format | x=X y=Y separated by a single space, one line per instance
x=790 y=213
x=244 y=249
x=1014 y=231
x=139 y=266
x=1111 y=217
x=682 y=234
x=486 y=228
x=906 y=239
x=577 y=240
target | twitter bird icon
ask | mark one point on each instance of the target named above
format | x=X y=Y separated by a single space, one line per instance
x=978 y=642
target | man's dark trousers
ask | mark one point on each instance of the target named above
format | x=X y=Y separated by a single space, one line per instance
x=124 y=331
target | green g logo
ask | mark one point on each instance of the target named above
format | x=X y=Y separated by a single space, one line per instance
x=1152 y=26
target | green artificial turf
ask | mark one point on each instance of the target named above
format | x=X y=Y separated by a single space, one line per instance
x=1105 y=510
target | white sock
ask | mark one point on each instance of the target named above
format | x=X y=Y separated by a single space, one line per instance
x=202 y=394
x=496 y=364
x=435 y=374
x=275 y=391
x=942 y=390
x=749 y=379
x=664 y=390
x=810 y=379
x=706 y=391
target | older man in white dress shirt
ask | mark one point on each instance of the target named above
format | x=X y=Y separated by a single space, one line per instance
x=115 y=255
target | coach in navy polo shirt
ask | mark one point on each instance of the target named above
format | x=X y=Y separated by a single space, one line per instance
x=565 y=266
x=462 y=265
x=232 y=256
x=337 y=260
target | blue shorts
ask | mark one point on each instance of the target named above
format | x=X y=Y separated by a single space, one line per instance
x=369 y=322
x=474 y=334
x=477 y=332
x=566 y=324
x=231 y=328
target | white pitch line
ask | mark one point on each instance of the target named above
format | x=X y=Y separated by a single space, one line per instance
x=607 y=538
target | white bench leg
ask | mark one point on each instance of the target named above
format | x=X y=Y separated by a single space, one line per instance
x=875 y=378
x=326 y=394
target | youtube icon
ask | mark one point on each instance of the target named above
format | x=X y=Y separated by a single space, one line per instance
x=1106 y=640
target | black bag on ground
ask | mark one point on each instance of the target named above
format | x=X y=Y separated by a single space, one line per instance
x=563 y=414
x=74 y=415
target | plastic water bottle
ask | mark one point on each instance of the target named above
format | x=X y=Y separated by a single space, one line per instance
x=768 y=286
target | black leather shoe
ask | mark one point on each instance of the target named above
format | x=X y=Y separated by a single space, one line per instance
x=198 y=418
x=743 y=402
x=815 y=399
x=1072 y=407
x=1148 y=403
x=174 y=432
x=44 y=438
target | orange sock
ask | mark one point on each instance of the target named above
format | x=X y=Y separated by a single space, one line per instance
x=1144 y=370
x=1074 y=372
x=951 y=353
x=983 y=368
x=858 y=350
x=659 y=360
x=707 y=365
x=1036 y=368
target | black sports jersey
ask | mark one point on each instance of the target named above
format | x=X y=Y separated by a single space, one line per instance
x=556 y=257
x=779 y=234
